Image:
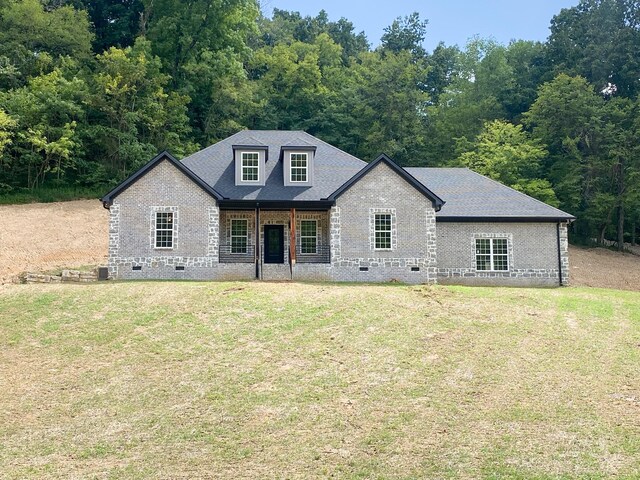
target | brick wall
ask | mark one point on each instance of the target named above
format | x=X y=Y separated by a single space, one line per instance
x=532 y=252
x=412 y=258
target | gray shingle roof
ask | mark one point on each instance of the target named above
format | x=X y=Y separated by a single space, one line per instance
x=332 y=166
x=466 y=193
x=469 y=194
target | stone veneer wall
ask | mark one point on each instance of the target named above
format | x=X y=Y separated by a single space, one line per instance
x=196 y=231
x=532 y=251
x=412 y=258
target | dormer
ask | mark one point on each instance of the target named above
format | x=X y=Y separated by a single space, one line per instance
x=297 y=163
x=250 y=163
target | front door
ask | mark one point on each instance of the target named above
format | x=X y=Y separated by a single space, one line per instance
x=274 y=244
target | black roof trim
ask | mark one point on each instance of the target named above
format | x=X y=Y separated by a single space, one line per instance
x=311 y=148
x=276 y=204
x=249 y=147
x=437 y=201
x=253 y=147
x=454 y=219
x=108 y=198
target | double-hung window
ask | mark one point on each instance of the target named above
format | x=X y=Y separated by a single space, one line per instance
x=308 y=236
x=250 y=166
x=492 y=254
x=299 y=167
x=164 y=230
x=382 y=231
x=239 y=235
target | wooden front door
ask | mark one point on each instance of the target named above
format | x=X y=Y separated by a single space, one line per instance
x=274 y=244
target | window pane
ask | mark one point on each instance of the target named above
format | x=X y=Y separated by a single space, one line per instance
x=164 y=229
x=483 y=262
x=500 y=246
x=500 y=262
x=298 y=167
x=383 y=230
x=483 y=246
x=239 y=235
x=250 y=167
x=308 y=236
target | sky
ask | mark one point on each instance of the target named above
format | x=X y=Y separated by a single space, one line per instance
x=450 y=21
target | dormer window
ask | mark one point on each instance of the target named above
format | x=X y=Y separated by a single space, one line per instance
x=299 y=167
x=250 y=166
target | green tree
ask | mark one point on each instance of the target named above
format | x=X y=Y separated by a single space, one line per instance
x=133 y=115
x=32 y=39
x=506 y=153
x=599 y=40
x=406 y=33
x=45 y=147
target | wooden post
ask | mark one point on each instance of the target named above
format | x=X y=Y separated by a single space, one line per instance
x=292 y=239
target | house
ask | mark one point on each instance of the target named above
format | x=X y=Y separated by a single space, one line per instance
x=282 y=205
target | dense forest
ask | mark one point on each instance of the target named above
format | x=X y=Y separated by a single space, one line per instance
x=91 y=90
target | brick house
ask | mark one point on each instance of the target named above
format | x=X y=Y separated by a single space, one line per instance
x=282 y=205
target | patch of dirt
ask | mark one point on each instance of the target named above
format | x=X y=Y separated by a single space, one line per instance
x=602 y=268
x=49 y=236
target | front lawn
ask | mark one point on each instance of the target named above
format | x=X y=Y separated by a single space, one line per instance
x=278 y=380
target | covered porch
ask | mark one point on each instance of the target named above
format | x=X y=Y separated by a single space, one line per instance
x=274 y=239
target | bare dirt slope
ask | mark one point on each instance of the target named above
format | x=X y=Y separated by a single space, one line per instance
x=49 y=236
x=599 y=267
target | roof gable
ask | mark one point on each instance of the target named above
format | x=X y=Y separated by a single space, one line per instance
x=107 y=200
x=437 y=201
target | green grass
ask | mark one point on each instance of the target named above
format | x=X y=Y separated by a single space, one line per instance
x=268 y=380
x=48 y=195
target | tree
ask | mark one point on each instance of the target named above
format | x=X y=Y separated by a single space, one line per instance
x=33 y=40
x=406 y=34
x=507 y=154
x=47 y=111
x=599 y=40
x=132 y=115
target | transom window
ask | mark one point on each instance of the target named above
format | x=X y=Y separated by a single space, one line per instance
x=308 y=236
x=299 y=167
x=164 y=230
x=382 y=231
x=250 y=168
x=492 y=254
x=239 y=235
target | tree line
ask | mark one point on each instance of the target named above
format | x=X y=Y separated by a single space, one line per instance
x=91 y=90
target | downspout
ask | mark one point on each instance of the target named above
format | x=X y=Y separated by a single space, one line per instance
x=292 y=240
x=560 y=279
x=258 y=256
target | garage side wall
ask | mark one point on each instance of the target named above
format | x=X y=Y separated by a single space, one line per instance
x=532 y=252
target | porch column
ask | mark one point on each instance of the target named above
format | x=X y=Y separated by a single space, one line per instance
x=292 y=239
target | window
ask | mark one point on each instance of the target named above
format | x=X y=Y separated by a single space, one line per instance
x=250 y=168
x=382 y=231
x=299 y=167
x=492 y=254
x=164 y=230
x=308 y=236
x=239 y=235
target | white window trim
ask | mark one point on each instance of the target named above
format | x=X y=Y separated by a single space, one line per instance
x=154 y=219
x=306 y=167
x=491 y=237
x=232 y=236
x=242 y=167
x=372 y=228
x=309 y=236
